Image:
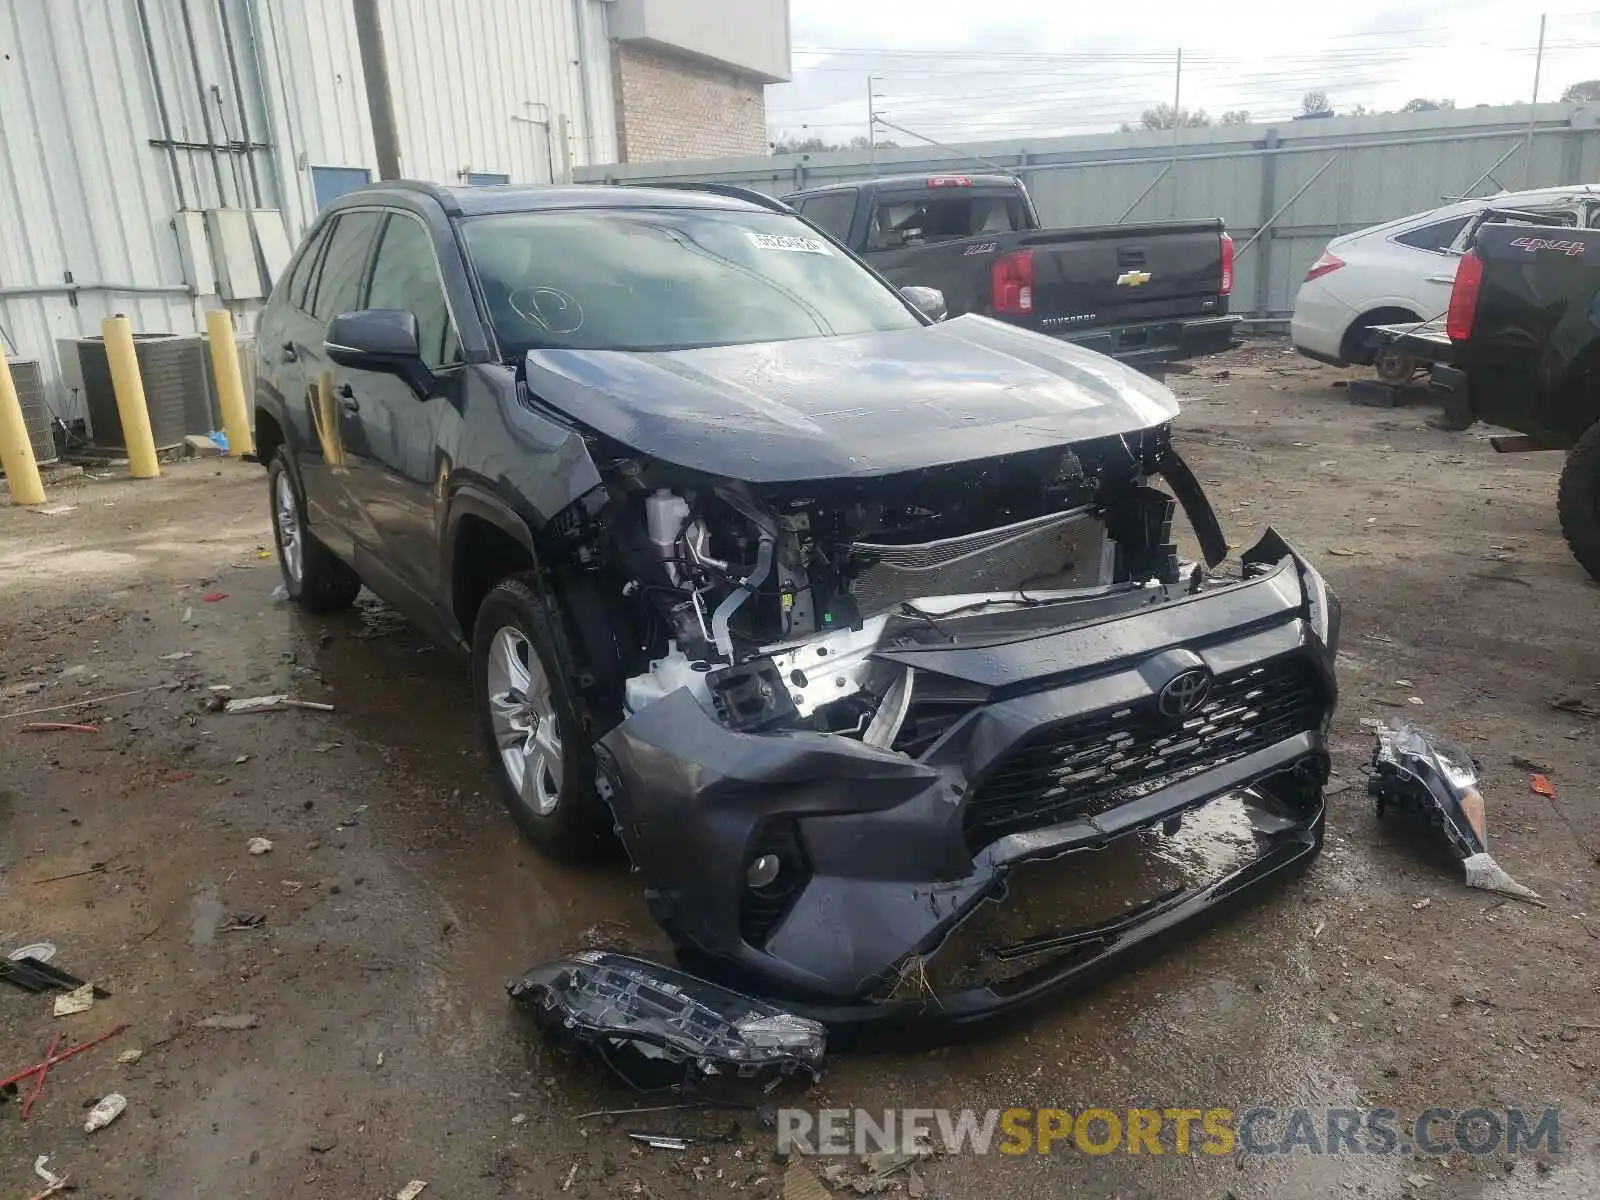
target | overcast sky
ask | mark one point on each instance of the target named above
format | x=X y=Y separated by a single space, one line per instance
x=969 y=69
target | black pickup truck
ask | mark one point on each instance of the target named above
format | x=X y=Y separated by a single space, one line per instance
x=1524 y=329
x=1146 y=294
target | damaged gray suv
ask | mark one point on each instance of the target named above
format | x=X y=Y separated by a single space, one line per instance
x=834 y=613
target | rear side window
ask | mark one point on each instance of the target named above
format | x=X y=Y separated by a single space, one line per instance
x=1436 y=237
x=294 y=288
x=831 y=213
x=338 y=284
x=406 y=275
x=914 y=222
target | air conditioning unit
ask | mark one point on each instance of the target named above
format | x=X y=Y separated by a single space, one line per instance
x=27 y=374
x=177 y=389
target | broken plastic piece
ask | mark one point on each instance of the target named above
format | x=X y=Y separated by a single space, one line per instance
x=259 y=846
x=53 y=1182
x=1417 y=772
x=76 y=1001
x=411 y=1190
x=1542 y=785
x=638 y=1015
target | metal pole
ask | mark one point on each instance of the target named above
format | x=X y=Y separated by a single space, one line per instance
x=872 y=130
x=230 y=382
x=129 y=390
x=380 y=101
x=161 y=102
x=205 y=108
x=1533 y=108
x=1177 y=120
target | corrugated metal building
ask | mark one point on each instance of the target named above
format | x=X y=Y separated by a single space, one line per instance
x=159 y=157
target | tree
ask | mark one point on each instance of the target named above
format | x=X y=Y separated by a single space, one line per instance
x=1588 y=90
x=1163 y=116
x=1423 y=104
x=1361 y=110
x=1313 y=103
x=1234 y=116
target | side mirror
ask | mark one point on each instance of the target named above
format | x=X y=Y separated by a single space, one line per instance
x=379 y=339
x=927 y=301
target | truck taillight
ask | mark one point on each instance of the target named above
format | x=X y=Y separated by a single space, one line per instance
x=950 y=181
x=1227 y=265
x=1464 y=297
x=1012 y=278
x=1328 y=262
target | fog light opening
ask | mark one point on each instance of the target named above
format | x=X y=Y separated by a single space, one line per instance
x=763 y=872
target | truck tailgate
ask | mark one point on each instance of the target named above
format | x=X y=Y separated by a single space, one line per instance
x=1113 y=274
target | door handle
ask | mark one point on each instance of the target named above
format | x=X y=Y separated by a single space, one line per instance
x=1441 y=278
x=290 y=353
x=347 y=399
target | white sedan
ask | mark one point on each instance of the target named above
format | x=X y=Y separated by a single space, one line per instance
x=1402 y=271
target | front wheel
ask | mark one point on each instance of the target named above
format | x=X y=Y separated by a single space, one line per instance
x=313 y=575
x=536 y=731
x=1578 y=501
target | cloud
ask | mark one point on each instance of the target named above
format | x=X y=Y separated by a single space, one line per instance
x=951 y=70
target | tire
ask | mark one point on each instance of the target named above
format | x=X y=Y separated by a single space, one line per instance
x=1578 y=501
x=315 y=578
x=537 y=732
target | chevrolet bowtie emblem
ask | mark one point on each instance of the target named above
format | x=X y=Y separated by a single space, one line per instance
x=1133 y=279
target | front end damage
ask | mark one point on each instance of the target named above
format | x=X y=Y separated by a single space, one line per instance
x=845 y=716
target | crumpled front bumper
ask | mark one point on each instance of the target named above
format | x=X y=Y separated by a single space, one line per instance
x=892 y=852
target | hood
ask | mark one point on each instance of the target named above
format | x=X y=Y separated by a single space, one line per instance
x=850 y=407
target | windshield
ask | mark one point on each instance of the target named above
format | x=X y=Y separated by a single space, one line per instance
x=669 y=279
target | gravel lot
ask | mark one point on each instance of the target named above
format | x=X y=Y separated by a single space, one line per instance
x=397 y=899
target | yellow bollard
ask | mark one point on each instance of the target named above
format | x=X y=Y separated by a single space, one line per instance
x=131 y=407
x=16 y=451
x=230 y=383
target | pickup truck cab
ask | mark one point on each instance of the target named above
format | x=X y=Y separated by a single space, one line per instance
x=1524 y=330
x=1146 y=294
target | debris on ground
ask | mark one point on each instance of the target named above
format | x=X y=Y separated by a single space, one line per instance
x=799 y=1183
x=276 y=703
x=1425 y=902
x=411 y=1190
x=240 y=921
x=177 y=656
x=1542 y=785
x=76 y=1001
x=1426 y=777
x=38 y=1080
x=37 y=1072
x=214 y=597
x=53 y=1182
x=58 y=727
x=1576 y=704
x=105 y=1112
x=259 y=846
x=571 y=1175
x=39 y=975
x=52 y=510
x=662 y=1141
x=229 y=1021
x=39 y=952
x=653 y=1025
x=128 y=1057
x=1529 y=764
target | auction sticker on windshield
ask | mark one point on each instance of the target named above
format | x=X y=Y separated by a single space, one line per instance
x=787 y=241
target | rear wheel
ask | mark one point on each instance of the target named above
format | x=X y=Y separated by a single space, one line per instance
x=536 y=729
x=313 y=575
x=1578 y=501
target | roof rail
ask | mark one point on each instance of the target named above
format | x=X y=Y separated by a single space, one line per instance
x=733 y=191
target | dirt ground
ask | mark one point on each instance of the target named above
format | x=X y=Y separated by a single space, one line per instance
x=397 y=900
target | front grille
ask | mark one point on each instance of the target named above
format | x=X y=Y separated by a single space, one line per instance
x=1091 y=764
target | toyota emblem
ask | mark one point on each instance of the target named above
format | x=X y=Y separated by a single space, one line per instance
x=1184 y=693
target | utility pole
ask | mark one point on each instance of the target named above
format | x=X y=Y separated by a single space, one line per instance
x=380 y=102
x=1533 y=108
x=1177 y=121
x=872 y=129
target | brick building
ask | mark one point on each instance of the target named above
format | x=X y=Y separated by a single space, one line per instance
x=689 y=76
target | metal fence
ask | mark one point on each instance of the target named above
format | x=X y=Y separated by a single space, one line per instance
x=1284 y=190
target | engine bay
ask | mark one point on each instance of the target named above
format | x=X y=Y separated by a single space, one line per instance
x=767 y=605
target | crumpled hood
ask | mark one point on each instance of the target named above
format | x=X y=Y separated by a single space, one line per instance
x=856 y=406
